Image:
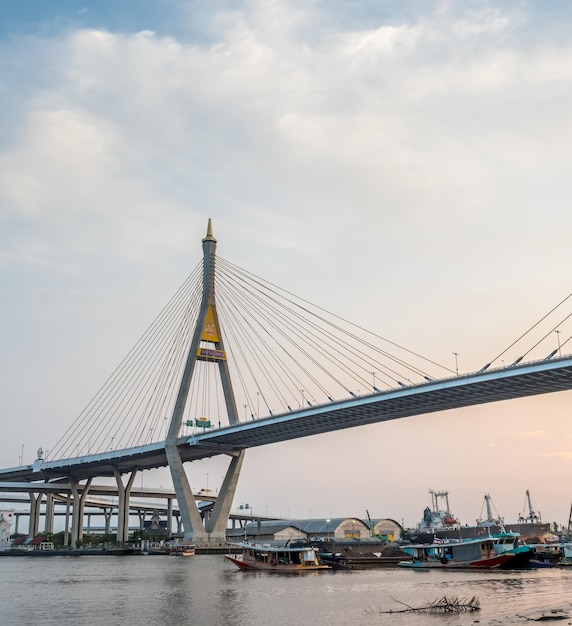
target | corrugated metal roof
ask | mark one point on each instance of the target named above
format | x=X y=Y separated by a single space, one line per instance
x=307 y=526
x=268 y=527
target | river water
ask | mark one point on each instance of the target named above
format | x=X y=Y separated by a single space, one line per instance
x=208 y=590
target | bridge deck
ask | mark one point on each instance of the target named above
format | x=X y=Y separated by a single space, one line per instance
x=490 y=386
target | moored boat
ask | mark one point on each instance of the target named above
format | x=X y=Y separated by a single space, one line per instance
x=372 y=560
x=470 y=554
x=509 y=543
x=276 y=558
x=550 y=553
x=182 y=549
x=566 y=560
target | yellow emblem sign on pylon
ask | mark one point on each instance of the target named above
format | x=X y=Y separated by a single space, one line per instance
x=210 y=331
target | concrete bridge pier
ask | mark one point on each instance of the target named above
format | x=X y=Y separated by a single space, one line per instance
x=107 y=517
x=74 y=536
x=190 y=514
x=49 y=515
x=67 y=522
x=124 y=492
x=78 y=509
x=81 y=512
x=169 y=516
x=216 y=524
x=35 y=504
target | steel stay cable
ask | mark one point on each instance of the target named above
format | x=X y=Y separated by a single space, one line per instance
x=352 y=335
x=531 y=328
x=547 y=335
x=88 y=412
x=283 y=332
x=257 y=278
x=287 y=336
x=132 y=383
x=248 y=364
x=165 y=377
x=260 y=338
x=247 y=336
x=319 y=346
x=247 y=340
x=239 y=372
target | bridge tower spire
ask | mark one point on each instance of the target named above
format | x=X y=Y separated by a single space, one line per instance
x=207 y=329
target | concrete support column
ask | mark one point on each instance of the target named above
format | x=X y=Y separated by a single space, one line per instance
x=81 y=507
x=217 y=522
x=78 y=509
x=75 y=522
x=50 y=510
x=107 y=517
x=67 y=523
x=141 y=514
x=35 y=504
x=169 y=516
x=124 y=492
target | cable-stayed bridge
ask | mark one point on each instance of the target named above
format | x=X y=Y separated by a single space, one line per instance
x=234 y=362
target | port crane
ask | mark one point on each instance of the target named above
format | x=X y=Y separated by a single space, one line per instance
x=533 y=517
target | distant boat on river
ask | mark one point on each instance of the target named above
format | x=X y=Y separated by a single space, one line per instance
x=181 y=549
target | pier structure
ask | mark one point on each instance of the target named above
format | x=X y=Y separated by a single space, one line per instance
x=103 y=502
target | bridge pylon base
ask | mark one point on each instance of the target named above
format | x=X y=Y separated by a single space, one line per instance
x=193 y=529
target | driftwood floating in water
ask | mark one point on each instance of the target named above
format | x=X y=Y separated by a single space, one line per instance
x=442 y=605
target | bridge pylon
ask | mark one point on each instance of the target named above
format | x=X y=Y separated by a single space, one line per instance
x=207 y=333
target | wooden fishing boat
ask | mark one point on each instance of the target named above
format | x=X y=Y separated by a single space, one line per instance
x=273 y=558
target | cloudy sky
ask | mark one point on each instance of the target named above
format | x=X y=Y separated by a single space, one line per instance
x=405 y=164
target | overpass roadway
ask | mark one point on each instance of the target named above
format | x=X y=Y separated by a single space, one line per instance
x=523 y=380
